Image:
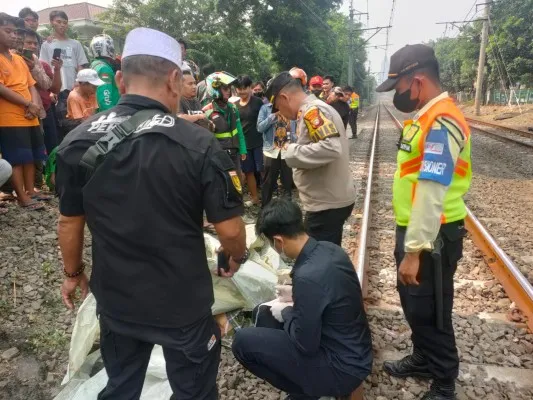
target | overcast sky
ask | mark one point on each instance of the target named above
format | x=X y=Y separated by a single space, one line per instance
x=414 y=20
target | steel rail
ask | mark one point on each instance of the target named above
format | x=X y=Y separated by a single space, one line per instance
x=518 y=132
x=361 y=251
x=515 y=284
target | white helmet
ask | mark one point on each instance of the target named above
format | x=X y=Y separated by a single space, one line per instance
x=102 y=46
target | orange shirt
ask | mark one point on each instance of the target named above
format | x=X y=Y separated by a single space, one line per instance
x=15 y=75
x=79 y=107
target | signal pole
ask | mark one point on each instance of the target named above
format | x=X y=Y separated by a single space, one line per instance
x=351 y=46
x=482 y=56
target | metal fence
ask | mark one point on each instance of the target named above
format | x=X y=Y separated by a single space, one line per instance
x=522 y=96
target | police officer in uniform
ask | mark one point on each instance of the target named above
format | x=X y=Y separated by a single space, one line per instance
x=433 y=175
x=319 y=158
x=141 y=178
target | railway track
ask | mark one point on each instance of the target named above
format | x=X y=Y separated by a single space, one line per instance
x=496 y=355
x=502 y=133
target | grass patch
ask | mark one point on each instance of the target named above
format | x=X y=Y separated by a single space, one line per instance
x=5 y=307
x=48 y=339
x=47 y=268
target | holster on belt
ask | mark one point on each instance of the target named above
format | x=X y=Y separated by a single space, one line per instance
x=436 y=255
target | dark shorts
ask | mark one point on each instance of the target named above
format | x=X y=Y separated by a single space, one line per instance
x=254 y=160
x=22 y=144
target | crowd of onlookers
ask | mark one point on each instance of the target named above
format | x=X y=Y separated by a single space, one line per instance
x=48 y=87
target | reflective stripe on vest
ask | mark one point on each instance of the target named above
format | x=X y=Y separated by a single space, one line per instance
x=409 y=164
x=225 y=135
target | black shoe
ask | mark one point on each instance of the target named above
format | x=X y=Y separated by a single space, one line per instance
x=441 y=390
x=412 y=365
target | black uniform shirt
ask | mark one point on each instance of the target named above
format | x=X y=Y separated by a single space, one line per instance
x=249 y=114
x=343 y=109
x=328 y=310
x=144 y=207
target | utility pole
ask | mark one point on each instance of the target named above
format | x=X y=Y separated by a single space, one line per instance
x=482 y=56
x=351 y=46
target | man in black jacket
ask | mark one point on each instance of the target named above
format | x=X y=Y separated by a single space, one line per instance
x=321 y=345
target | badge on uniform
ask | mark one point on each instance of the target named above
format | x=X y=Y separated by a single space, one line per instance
x=410 y=134
x=319 y=126
x=236 y=181
x=211 y=342
x=314 y=118
x=405 y=147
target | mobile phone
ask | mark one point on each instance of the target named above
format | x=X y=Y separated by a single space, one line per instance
x=223 y=262
x=28 y=54
x=57 y=54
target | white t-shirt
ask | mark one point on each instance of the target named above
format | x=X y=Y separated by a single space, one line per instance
x=73 y=58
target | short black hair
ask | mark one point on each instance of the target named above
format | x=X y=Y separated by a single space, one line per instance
x=187 y=72
x=19 y=24
x=58 y=13
x=208 y=69
x=6 y=19
x=243 y=81
x=183 y=42
x=152 y=67
x=29 y=32
x=432 y=71
x=28 y=11
x=330 y=78
x=347 y=89
x=280 y=217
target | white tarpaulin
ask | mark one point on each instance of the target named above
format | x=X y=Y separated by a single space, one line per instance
x=252 y=285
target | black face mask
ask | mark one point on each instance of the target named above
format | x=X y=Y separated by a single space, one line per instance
x=316 y=92
x=403 y=101
x=259 y=94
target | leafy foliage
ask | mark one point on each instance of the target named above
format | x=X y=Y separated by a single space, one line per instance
x=509 y=53
x=257 y=37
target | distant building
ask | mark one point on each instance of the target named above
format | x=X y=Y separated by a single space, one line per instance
x=82 y=17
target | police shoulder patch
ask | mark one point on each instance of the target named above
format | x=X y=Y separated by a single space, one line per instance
x=236 y=181
x=319 y=126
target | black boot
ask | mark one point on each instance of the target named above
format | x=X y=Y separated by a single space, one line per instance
x=441 y=390
x=412 y=365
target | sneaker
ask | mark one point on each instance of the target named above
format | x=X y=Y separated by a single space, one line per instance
x=412 y=365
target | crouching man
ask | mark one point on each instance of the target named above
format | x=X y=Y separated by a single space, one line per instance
x=321 y=345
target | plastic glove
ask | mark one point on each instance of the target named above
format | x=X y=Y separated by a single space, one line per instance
x=284 y=293
x=276 y=307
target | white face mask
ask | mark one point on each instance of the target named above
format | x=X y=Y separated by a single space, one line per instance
x=282 y=254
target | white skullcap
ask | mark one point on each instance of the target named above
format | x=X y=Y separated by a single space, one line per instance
x=149 y=42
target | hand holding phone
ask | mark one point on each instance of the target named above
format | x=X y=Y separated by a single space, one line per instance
x=27 y=54
x=57 y=54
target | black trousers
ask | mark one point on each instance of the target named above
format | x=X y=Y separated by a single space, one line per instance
x=50 y=130
x=327 y=225
x=268 y=352
x=353 y=120
x=274 y=168
x=418 y=302
x=192 y=356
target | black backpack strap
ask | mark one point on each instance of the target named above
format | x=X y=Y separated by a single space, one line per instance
x=95 y=154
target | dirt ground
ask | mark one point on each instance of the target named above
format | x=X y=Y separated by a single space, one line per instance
x=522 y=117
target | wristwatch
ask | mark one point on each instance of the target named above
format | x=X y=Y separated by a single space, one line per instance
x=244 y=258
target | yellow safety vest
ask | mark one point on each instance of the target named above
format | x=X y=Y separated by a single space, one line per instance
x=410 y=158
x=354 y=103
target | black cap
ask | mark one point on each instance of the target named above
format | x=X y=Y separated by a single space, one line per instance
x=276 y=85
x=406 y=60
